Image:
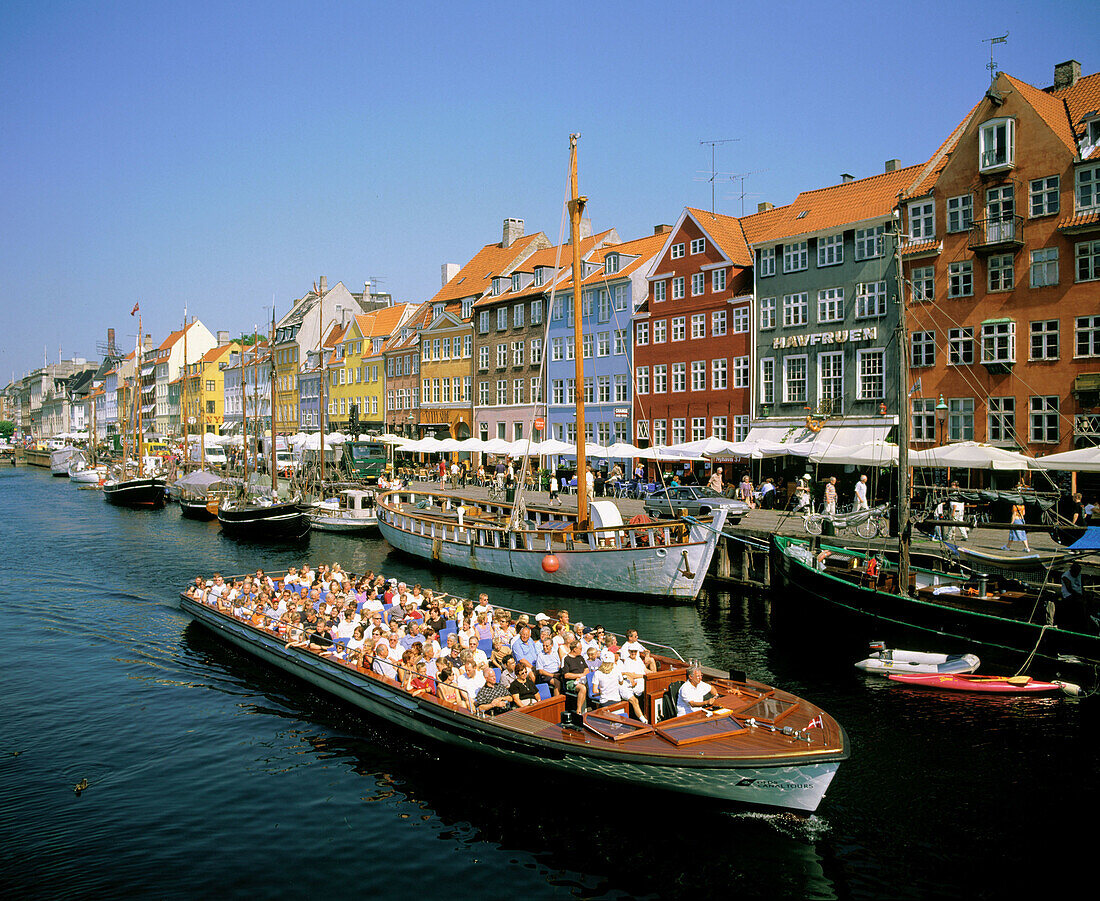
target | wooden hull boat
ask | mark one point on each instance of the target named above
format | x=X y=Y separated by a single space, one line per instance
x=940 y=603
x=145 y=492
x=265 y=522
x=887 y=661
x=764 y=751
x=658 y=559
x=351 y=511
x=196 y=508
x=1015 y=685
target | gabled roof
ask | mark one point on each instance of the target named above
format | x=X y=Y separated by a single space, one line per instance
x=725 y=232
x=589 y=246
x=475 y=278
x=1082 y=100
x=1051 y=109
x=169 y=342
x=381 y=323
x=926 y=180
x=216 y=353
x=844 y=204
x=641 y=249
x=399 y=340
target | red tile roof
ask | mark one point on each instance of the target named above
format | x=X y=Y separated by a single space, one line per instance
x=475 y=278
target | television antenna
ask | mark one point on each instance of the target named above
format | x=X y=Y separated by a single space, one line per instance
x=742 y=176
x=714 y=173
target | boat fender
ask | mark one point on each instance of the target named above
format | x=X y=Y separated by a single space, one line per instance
x=1070 y=689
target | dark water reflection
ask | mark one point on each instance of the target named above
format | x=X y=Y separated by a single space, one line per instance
x=211 y=774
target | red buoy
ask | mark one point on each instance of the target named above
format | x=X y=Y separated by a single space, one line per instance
x=550 y=563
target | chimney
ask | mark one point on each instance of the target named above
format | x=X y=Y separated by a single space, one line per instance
x=764 y=206
x=148 y=345
x=584 y=230
x=111 y=349
x=892 y=165
x=513 y=231
x=323 y=284
x=662 y=229
x=1066 y=74
x=846 y=177
x=223 y=338
x=447 y=271
x=366 y=291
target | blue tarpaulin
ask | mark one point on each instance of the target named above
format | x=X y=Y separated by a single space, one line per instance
x=1090 y=541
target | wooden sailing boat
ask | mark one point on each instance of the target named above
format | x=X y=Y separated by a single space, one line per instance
x=127 y=484
x=973 y=608
x=261 y=516
x=592 y=549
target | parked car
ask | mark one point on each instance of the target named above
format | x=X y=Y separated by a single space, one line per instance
x=697 y=501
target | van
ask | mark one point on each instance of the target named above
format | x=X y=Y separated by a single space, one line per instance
x=212 y=455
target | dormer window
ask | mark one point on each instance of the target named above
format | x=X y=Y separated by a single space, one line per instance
x=437 y=310
x=538 y=276
x=611 y=263
x=516 y=281
x=997 y=145
x=467 y=307
x=497 y=286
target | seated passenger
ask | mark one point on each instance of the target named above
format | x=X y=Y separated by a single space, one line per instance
x=548 y=666
x=694 y=694
x=522 y=688
x=470 y=678
x=609 y=686
x=574 y=672
x=492 y=698
x=447 y=690
x=382 y=665
x=421 y=683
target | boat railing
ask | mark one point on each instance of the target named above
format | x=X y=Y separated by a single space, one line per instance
x=546 y=533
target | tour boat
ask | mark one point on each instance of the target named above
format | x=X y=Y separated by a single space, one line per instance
x=885 y=661
x=591 y=549
x=1015 y=685
x=758 y=745
x=352 y=510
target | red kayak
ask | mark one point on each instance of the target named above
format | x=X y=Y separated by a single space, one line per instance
x=968 y=682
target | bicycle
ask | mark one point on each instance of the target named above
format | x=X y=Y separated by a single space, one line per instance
x=867 y=523
x=496 y=491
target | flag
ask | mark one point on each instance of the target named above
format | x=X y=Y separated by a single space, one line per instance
x=134 y=310
x=915 y=388
x=815 y=723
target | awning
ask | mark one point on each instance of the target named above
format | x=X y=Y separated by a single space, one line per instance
x=1085 y=459
x=775 y=441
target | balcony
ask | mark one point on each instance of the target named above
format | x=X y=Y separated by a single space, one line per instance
x=1086 y=429
x=998 y=234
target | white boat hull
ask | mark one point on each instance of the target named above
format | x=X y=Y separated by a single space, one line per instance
x=797 y=787
x=919 y=662
x=675 y=571
x=325 y=523
x=86 y=476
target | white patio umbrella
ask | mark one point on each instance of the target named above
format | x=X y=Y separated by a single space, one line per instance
x=662 y=452
x=623 y=449
x=389 y=438
x=497 y=446
x=524 y=447
x=970 y=455
x=1084 y=459
x=552 y=447
x=875 y=453
x=704 y=447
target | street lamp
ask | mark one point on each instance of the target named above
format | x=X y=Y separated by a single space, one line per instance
x=941 y=416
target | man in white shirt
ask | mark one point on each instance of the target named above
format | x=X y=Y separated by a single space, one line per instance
x=695 y=694
x=861 y=493
x=470 y=678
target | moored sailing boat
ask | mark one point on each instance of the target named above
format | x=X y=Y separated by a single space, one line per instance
x=127 y=485
x=592 y=549
x=261 y=517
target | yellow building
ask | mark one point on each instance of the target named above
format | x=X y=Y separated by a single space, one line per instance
x=356 y=377
x=202 y=395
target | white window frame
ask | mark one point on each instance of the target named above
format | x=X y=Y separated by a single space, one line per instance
x=796 y=309
x=767 y=312
x=871 y=376
x=830 y=305
x=1044 y=196
x=796 y=256
x=960 y=213
x=997 y=144
x=1046 y=340
x=998 y=342
x=830 y=250
x=1043 y=419
x=766 y=265
x=922 y=220
x=718 y=280
x=1043 y=269
x=1000 y=272
x=960 y=279
x=795 y=385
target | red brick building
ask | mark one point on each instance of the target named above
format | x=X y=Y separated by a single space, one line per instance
x=693 y=336
x=1003 y=267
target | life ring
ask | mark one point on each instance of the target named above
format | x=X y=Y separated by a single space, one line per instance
x=814 y=425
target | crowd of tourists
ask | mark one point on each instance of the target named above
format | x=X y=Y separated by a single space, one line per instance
x=472 y=655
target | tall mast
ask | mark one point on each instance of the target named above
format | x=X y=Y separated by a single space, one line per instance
x=576 y=210
x=271 y=400
x=139 y=448
x=902 y=345
x=321 y=363
x=244 y=417
x=186 y=380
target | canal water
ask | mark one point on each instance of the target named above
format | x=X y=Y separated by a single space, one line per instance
x=211 y=774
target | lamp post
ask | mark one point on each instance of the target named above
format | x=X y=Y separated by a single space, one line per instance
x=941 y=417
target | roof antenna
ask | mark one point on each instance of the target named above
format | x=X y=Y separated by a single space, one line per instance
x=992 y=64
x=713 y=169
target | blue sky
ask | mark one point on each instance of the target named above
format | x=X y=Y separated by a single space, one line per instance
x=216 y=156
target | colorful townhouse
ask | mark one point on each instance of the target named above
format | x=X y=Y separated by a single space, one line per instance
x=1004 y=302
x=613 y=287
x=356 y=398
x=692 y=334
x=512 y=340
x=826 y=284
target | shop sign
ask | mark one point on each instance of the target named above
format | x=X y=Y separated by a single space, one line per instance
x=842 y=336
